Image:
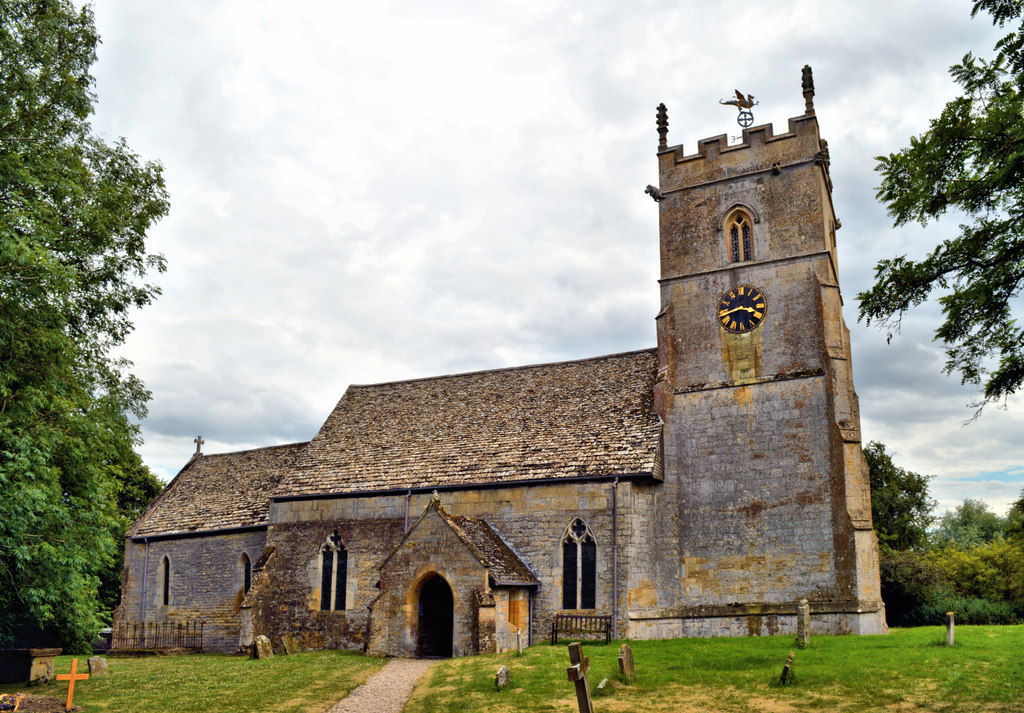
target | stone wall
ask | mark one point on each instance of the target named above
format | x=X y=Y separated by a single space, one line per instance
x=532 y=520
x=206 y=583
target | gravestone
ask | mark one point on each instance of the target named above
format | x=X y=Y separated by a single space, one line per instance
x=502 y=678
x=950 y=628
x=261 y=648
x=519 y=641
x=97 y=666
x=803 y=624
x=578 y=675
x=290 y=644
x=626 y=666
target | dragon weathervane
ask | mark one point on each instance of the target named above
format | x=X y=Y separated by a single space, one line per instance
x=743 y=104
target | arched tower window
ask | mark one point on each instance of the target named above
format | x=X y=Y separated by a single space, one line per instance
x=579 y=567
x=741 y=237
x=165 y=581
x=246 y=573
x=333 y=573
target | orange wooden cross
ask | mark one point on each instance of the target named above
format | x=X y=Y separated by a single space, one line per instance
x=71 y=678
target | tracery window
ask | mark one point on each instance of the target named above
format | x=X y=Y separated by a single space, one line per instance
x=579 y=567
x=165 y=581
x=333 y=573
x=741 y=237
x=246 y=573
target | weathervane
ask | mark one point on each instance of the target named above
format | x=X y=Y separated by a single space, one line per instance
x=743 y=104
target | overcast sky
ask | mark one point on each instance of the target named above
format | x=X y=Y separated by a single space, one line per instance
x=374 y=191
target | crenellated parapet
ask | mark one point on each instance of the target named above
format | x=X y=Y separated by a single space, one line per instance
x=760 y=150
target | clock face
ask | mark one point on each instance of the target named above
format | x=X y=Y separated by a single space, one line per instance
x=742 y=308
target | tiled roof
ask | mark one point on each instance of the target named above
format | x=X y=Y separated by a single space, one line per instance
x=219 y=491
x=578 y=418
x=493 y=552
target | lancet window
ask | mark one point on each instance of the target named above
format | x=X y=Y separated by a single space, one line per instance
x=579 y=567
x=333 y=573
x=741 y=237
x=165 y=581
x=246 y=573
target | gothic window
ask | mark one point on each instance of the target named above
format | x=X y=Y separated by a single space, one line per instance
x=165 y=581
x=741 y=237
x=579 y=567
x=333 y=573
x=246 y=573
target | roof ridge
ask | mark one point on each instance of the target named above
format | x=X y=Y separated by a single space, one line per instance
x=251 y=450
x=501 y=369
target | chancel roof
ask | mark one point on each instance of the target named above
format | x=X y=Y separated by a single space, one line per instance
x=214 y=492
x=569 y=419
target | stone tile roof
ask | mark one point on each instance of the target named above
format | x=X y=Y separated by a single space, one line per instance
x=504 y=565
x=219 y=491
x=588 y=417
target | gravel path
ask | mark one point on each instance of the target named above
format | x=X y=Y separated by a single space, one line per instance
x=385 y=691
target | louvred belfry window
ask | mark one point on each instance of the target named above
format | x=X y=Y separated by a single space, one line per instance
x=333 y=573
x=579 y=567
x=741 y=238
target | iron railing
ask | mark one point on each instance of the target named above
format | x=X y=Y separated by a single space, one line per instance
x=158 y=635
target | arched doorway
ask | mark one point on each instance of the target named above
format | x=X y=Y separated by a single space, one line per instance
x=436 y=618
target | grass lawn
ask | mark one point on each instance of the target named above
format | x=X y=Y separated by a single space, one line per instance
x=214 y=683
x=908 y=670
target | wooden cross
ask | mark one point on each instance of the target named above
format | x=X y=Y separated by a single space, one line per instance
x=198 y=440
x=578 y=675
x=71 y=678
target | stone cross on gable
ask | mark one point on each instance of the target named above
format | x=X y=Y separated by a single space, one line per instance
x=198 y=440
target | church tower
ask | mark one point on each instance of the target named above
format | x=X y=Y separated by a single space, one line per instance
x=766 y=498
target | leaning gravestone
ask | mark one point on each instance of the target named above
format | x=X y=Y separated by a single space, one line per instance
x=97 y=666
x=291 y=644
x=502 y=678
x=626 y=666
x=261 y=648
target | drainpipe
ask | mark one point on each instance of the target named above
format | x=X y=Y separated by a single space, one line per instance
x=615 y=558
x=529 y=617
x=407 y=496
x=145 y=576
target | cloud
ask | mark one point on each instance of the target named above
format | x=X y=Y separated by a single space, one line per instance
x=378 y=191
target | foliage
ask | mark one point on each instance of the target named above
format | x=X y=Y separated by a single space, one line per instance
x=137 y=487
x=74 y=212
x=904 y=670
x=217 y=683
x=993 y=571
x=970 y=162
x=971 y=524
x=900 y=504
x=912 y=584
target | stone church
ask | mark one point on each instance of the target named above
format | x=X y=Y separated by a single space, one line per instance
x=699 y=488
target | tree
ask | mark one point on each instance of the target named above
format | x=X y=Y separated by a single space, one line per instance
x=970 y=525
x=970 y=162
x=900 y=505
x=74 y=212
x=137 y=487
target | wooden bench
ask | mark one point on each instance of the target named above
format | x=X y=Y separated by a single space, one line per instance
x=581 y=624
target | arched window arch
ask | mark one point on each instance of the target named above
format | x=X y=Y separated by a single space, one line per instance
x=739 y=230
x=579 y=567
x=333 y=573
x=165 y=581
x=246 y=573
